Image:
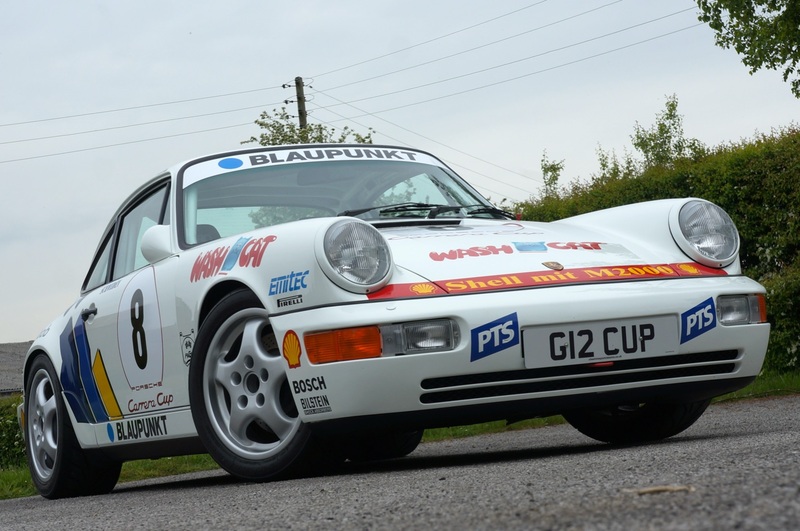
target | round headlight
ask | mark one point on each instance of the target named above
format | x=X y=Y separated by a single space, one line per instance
x=705 y=232
x=357 y=256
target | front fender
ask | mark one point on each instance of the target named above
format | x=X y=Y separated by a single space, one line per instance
x=644 y=225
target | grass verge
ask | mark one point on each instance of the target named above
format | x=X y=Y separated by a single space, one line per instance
x=15 y=481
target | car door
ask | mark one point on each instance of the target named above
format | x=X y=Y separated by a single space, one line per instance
x=118 y=333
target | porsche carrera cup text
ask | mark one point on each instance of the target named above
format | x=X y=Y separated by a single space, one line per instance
x=161 y=400
x=613 y=341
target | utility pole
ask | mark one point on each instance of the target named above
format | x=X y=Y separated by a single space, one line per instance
x=301 y=102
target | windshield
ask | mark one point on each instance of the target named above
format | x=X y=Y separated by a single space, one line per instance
x=231 y=202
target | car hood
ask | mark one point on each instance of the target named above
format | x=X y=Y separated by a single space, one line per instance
x=476 y=255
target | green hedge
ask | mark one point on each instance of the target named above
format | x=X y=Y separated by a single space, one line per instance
x=12 y=448
x=757 y=182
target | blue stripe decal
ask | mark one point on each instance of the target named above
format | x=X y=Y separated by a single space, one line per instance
x=85 y=372
x=70 y=382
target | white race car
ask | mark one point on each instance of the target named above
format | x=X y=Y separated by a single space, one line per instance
x=290 y=305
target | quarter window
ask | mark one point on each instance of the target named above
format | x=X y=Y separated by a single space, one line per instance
x=132 y=226
x=99 y=273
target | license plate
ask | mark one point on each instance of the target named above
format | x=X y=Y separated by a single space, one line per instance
x=599 y=341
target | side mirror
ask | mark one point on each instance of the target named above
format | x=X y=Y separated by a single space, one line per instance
x=156 y=243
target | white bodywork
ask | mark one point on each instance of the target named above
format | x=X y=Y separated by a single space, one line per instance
x=523 y=296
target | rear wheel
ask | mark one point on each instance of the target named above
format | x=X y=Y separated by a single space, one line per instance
x=242 y=406
x=636 y=423
x=59 y=467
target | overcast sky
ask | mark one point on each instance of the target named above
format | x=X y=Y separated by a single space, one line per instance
x=98 y=96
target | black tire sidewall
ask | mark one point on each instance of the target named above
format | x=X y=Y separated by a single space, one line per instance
x=246 y=469
x=45 y=487
x=652 y=422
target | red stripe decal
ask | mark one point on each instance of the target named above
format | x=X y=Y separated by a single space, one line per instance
x=546 y=277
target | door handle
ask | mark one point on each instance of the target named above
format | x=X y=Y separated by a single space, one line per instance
x=88 y=312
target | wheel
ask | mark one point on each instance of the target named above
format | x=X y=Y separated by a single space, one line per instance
x=59 y=467
x=383 y=446
x=242 y=405
x=637 y=423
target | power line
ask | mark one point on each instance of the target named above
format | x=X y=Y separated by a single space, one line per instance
x=137 y=124
x=94 y=113
x=124 y=143
x=202 y=98
x=477 y=47
x=401 y=142
x=429 y=84
x=445 y=145
x=429 y=41
x=384 y=110
x=349 y=103
x=516 y=78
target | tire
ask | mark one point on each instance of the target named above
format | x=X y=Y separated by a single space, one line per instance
x=242 y=405
x=59 y=467
x=383 y=446
x=638 y=423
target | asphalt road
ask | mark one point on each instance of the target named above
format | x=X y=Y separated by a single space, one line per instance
x=738 y=467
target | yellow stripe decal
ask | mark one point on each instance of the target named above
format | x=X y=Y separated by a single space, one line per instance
x=104 y=386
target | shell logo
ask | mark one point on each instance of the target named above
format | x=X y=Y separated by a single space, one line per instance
x=689 y=268
x=423 y=289
x=291 y=349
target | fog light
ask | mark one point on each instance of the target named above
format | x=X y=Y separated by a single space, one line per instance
x=431 y=335
x=419 y=336
x=741 y=309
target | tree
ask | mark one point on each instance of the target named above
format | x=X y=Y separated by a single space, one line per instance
x=663 y=143
x=281 y=130
x=551 y=172
x=766 y=33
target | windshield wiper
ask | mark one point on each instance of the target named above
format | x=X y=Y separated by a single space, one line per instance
x=388 y=209
x=483 y=209
x=434 y=210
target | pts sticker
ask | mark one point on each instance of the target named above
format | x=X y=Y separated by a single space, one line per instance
x=698 y=320
x=493 y=337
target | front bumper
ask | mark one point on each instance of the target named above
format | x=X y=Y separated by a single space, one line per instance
x=445 y=388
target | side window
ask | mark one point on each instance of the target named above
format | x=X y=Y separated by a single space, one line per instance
x=131 y=228
x=99 y=272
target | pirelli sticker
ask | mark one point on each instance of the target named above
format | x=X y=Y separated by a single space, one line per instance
x=547 y=277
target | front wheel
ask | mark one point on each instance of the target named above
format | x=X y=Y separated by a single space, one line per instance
x=636 y=423
x=242 y=406
x=59 y=467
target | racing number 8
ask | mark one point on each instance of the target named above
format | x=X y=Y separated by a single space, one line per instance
x=137 y=335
